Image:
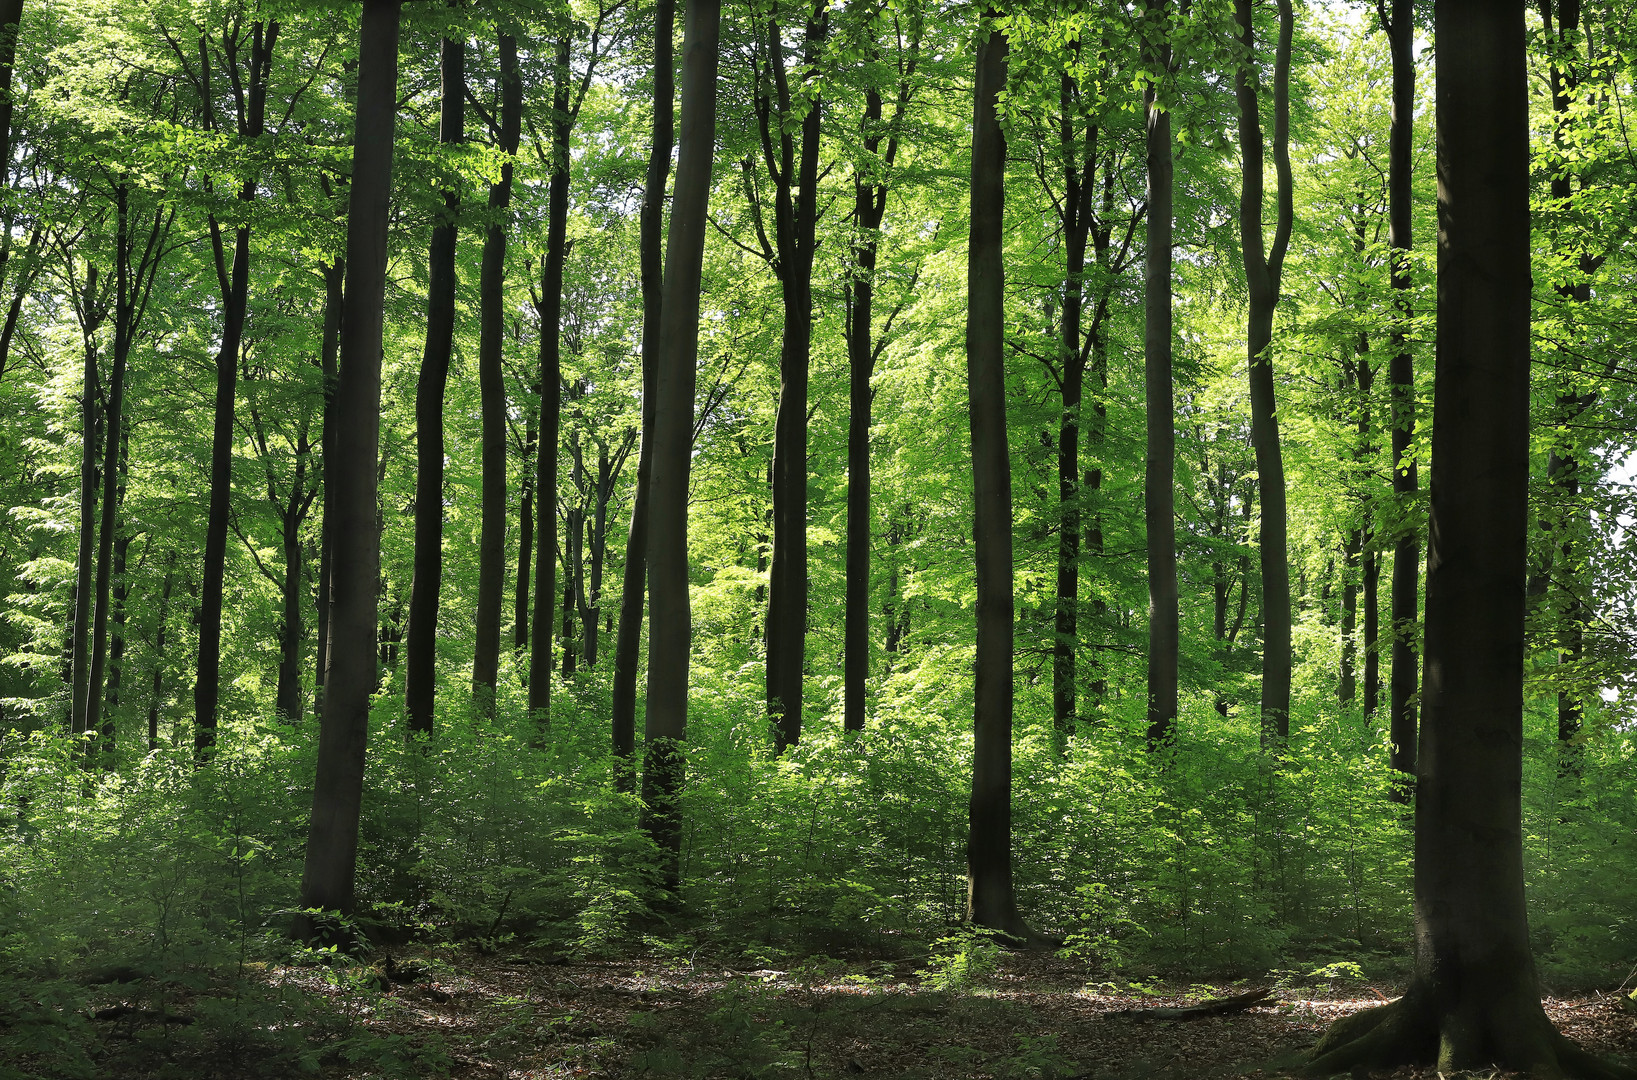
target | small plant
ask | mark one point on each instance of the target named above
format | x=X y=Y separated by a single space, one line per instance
x=962 y=961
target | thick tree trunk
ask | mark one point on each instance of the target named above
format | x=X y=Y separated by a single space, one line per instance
x=1263 y=269
x=549 y=307
x=491 y=376
x=332 y=841
x=991 y=901
x=678 y=351
x=1473 y=1000
x=421 y=646
x=234 y=283
x=1406 y=579
x=334 y=276
x=1159 y=494
x=635 y=585
x=795 y=218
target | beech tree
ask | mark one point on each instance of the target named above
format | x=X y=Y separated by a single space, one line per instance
x=1473 y=998
x=332 y=839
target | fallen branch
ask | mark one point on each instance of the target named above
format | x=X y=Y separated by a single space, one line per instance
x=1212 y=1007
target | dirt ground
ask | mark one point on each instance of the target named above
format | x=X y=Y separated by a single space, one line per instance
x=1032 y=1018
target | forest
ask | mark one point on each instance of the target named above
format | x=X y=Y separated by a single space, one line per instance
x=806 y=538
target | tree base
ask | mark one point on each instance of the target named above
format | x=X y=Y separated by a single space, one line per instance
x=1412 y=1031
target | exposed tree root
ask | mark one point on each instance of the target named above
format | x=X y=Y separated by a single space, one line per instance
x=1410 y=1032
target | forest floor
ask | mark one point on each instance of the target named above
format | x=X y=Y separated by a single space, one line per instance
x=519 y=1017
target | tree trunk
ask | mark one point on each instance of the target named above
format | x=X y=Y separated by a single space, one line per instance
x=629 y=639
x=421 y=646
x=111 y=439
x=869 y=208
x=11 y=15
x=334 y=276
x=525 y=530
x=991 y=901
x=795 y=217
x=234 y=284
x=1347 y=686
x=675 y=363
x=288 y=697
x=549 y=306
x=492 y=388
x=1263 y=269
x=1473 y=1000
x=332 y=841
x=1159 y=495
x=159 y=654
x=85 y=562
x=1406 y=578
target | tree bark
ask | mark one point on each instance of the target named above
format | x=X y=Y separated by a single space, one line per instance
x=234 y=283
x=525 y=530
x=421 y=644
x=1406 y=579
x=991 y=901
x=675 y=374
x=549 y=307
x=334 y=276
x=332 y=840
x=159 y=653
x=1473 y=999
x=869 y=208
x=795 y=222
x=85 y=560
x=492 y=388
x=1263 y=268
x=11 y=15
x=628 y=641
x=1159 y=494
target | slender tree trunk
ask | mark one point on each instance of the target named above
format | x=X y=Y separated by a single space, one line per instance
x=1159 y=495
x=991 y=901
x=421 y=645
x=85 y=562
x=332 y=841
x=597 y=527
x=1263 y=269
x=525 y=540
x=629 y=640
x=549 y=306
x=1347 y=688
x=869 y=207
x=116 y=642
x=334 y=276
x=159 y=654
x=571 y=586
x=11 y=14
x=1473 y=999
x=1406 y=578
x=795 y=215
x=1372 y=627
x=492 y=383
x=234 y=283
x=111 y=438
x=675 y=374
x=288 y=696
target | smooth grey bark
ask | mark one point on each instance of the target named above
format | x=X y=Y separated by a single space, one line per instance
x=991 y=899
x=634 y=587
x=332 y=840
x=1264 y=267
x=670 y=621
x=233 y=283
x=491 y=376
x=421 y=640
x=1159 y=467
x=1473 y=999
